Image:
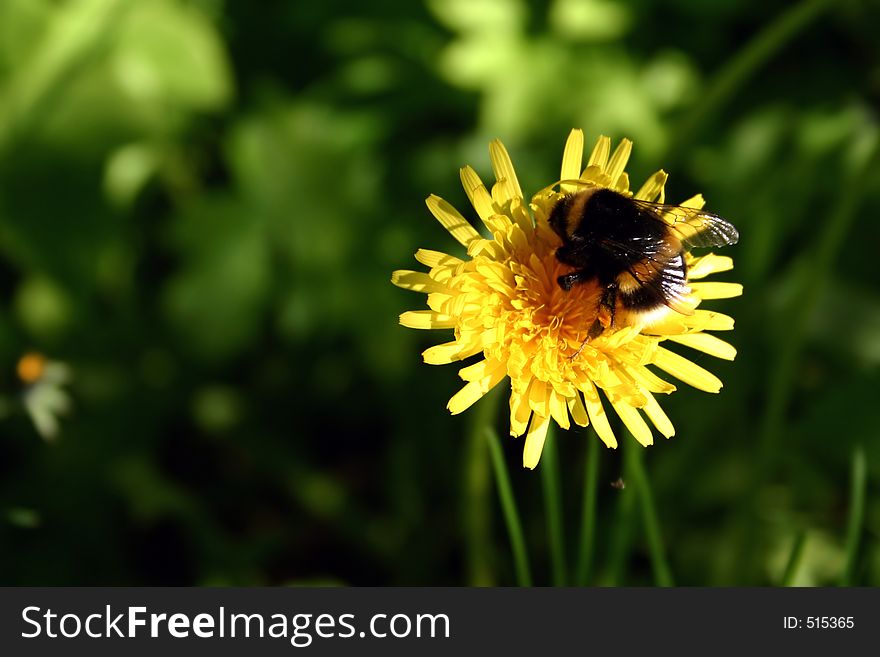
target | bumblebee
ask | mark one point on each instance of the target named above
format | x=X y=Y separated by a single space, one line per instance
x=633 y=250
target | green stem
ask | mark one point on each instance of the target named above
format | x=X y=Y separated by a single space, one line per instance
x=739 y=69
x=794 y=559
x=553 y=507
x=477 y=504
x=624 y=526
x=508 y=506
x=662 y=573
x=587 y=543
x=858 y=486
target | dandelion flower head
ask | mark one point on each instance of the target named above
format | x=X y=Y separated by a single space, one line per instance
x=505 y=307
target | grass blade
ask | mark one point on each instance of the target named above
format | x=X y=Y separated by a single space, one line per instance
x=587 y=543
x=635 y=460
x=858 y=486
x=624 y=527
x=511 y=514
x=794 y=559
x=553 y=508
x=476 y=498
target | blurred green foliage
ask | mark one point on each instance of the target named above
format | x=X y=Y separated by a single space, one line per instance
x=201 y=202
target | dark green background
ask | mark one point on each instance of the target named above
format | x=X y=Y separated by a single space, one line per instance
x=201 y=203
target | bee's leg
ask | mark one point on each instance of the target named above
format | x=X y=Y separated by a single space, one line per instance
x=580 y=349
x=597 y=327
x=609 y=301
x=605 y=316
x=595 y=330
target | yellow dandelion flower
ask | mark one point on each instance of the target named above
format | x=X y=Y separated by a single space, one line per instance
x=503 y=303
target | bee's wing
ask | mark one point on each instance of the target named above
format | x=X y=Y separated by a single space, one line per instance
x=695 y=228
x=668 y=283
x=658 y=269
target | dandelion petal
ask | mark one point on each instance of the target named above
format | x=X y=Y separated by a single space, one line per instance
x=652 y=190
x=658 y=417
x=634 y=422
x=572 y=158
x=477 y=193
x=619 y=159
x=451 y=220
x=716 y=290
x=684 y=370
x=599 y=156
x=433 y=259
x=504 y=171
x=597 y=416
x=707 y=343
x=535 y=441
x=416 y=281
x=426 y=319
x=709 y=264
